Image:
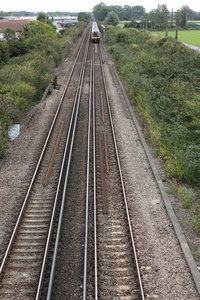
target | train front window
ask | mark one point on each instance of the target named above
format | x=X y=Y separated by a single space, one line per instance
x=95 y=33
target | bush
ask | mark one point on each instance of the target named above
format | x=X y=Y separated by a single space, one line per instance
x=24 y=76
x=9 y=114
x=162 y=76
x=4 y=53
x=123 y=37
x=3 y=145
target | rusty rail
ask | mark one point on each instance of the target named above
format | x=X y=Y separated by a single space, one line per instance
x=71 y=89
x=103 y=185
x=106 y=152
x=54 y=154
x=102 y=108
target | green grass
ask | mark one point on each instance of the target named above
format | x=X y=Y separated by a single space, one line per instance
x=195 y=21
x=191 y=37
x=121 y=23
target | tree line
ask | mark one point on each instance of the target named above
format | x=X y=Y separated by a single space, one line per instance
x=155 y=19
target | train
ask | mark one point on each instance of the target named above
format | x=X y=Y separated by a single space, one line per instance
x=95 y=33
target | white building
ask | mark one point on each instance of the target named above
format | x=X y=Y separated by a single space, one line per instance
x=62 y=21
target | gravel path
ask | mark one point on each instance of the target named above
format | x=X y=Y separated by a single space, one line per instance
x=164 y=270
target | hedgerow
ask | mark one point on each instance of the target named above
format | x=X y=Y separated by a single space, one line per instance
x=163 y=77
x=26 y=68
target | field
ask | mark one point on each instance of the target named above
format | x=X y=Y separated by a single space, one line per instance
x=121 y=23
x=195 y=21
x=191 y=37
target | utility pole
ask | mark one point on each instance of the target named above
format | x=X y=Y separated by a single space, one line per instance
x=172 y=17
x=166 y=19
x=177 y=23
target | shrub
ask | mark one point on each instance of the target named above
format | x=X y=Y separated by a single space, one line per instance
x=196 y=215
x=37 y=29
x=163 y=78
x=123 y=36
x=26 y=74
x=4 y=53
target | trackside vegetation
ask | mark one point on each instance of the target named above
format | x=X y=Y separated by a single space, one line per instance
x=162 y=77
x=26 y=68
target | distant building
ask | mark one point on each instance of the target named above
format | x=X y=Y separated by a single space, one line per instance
x=17 y=25
x=3 y=18
x=63 y=21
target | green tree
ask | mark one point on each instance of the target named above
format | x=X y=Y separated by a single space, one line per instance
x=42 y=17
x=157 y=17
x=131 y=24
x=185 y=13
x=128 y=14
x=145 y=21
x=112 y=19
x=196 y=16
x=9 y=34
x=118 y=9
x=101 y=11
x=138 y=12
x=83 y=17
x=4 y=53
x=38 y=28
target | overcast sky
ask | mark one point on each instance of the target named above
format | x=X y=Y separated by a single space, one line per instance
x=81 y=5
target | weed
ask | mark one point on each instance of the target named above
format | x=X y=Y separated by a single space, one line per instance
x=196 y=215
x=186 y=197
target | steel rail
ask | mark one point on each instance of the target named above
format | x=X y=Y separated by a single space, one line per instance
x=2 y=267
x=122 y=181
x=102 y=108
x=57 y=193
x=106 y=152
x=94 y=183
x=67 y=176
x=103 y=183
x=87 y=192
x=53 y=155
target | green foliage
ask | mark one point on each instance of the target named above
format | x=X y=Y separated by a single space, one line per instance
x=83 y=17
x=25 y=76
x=17 y=48
x=33 y=29
x=186 y=197
x=131 y=24
x=112 y=19
x=196 y=216
x=157 y=17
x=3 y=145
x=101 y=11
x=128 y=12
x=123 y=37
x=4 y=53
x=9 y=113
x=162 y=76
x=42 y=17
x=9 y=34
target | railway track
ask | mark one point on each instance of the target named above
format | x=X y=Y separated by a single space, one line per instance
x=92 y=251
x=21 y=271
x=117 y=266
x=107 y=266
